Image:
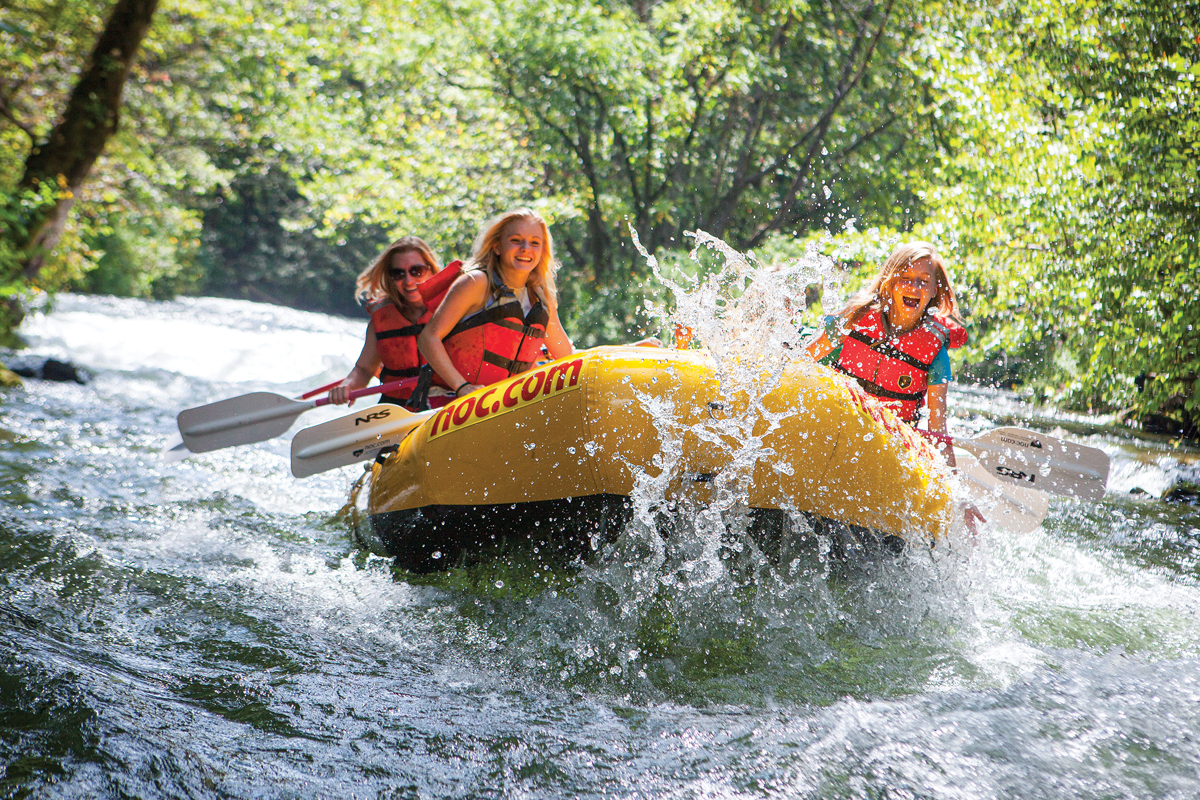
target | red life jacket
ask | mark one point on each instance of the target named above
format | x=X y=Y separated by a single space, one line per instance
x=495 y=343
x=396 y=344
x=896 y=369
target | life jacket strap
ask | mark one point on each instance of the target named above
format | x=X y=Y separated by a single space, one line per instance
x=886 y=348
x=494 y=315
x=528 y=331
x=410 y=330
x=386 y=374
x=510 y=365
x=888 y=394
x=419 y=399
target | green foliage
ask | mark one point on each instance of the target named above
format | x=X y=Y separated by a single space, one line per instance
x=270 y=148
x=253 y=249
x=740 y=120
x=1090 y=250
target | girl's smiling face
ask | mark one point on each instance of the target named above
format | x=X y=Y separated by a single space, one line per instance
x=521 y=247
x=906 y=296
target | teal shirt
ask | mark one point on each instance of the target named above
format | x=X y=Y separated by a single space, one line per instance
x=939 y=372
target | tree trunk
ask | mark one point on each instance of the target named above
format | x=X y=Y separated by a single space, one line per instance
x=90 y=119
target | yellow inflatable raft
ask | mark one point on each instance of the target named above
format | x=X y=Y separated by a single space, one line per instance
x=560 y=449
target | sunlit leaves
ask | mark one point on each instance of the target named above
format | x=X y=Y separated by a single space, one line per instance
x=1080 y=174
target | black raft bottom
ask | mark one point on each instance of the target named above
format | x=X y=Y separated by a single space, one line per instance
x=439 y=537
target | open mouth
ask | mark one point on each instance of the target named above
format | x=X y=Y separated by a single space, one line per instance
x=911 y=302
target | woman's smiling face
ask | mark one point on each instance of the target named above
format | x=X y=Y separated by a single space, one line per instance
x=907 y=295
x=408 y=270
x=521 y=246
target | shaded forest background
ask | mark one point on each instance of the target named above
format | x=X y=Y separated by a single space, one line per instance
x=268 y=149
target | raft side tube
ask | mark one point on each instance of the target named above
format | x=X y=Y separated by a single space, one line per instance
x=585 y=425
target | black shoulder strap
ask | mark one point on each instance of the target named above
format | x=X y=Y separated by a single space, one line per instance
x=419 y=399
x=407 y=330
x=502 y=315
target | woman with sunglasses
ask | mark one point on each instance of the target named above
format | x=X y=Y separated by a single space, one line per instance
x=389 y=288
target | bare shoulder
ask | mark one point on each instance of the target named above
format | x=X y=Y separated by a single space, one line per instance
x=549 y=300
x=470 y=283
x=467 y=294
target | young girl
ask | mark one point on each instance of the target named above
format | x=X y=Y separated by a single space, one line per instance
x=390 y=289
x=894 y=336
x=497 y=315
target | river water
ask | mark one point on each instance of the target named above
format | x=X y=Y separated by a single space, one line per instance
x=209 y=629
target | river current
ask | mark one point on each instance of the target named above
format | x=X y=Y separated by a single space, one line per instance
x=210 y=629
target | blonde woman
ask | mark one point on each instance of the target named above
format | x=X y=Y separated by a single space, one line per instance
x=501 y=311
x=390 y=288
x=894 y=335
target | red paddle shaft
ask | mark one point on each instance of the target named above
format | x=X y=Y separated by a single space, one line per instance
x=324 y=388
x=383 y=388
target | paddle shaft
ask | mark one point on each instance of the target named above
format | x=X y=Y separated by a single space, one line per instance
x=318 y=390
x=293 y=409
x=382 y=388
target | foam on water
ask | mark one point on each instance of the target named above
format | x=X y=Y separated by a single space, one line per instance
x=206 y=339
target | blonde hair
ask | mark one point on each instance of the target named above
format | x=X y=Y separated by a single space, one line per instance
x=485 y=256
x=375 y=282
x=871 y=298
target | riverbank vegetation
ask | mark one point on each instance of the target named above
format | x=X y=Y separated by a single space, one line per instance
x=267 y=149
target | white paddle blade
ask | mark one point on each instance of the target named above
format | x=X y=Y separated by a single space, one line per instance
x=1041 y=462
x=1015 y=508
x=354 y=437
x=175 y=450
x=253 y=417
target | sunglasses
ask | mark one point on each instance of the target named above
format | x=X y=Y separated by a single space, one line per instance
x=416 y=271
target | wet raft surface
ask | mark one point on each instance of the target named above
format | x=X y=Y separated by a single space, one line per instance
x=559 y=447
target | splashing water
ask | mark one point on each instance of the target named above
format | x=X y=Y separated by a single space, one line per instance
x=694 y=600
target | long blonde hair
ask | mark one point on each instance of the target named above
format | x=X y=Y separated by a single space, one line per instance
x=485 y=257
x=871 y=298
x=375 y=282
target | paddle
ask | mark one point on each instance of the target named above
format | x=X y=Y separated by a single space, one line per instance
x=254 y=417
x=176 y=450
x=354 y=437
x=1036 y=461
x=1017 y=509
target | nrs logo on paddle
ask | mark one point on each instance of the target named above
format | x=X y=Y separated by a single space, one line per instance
x=524 y=390
x=374 y=415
